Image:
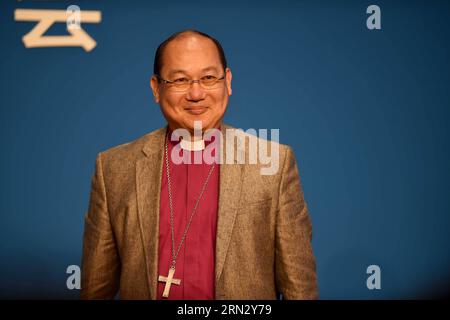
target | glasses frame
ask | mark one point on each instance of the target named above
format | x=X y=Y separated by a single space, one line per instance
x=190 y=81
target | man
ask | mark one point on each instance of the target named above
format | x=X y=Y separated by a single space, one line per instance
x=157 y=229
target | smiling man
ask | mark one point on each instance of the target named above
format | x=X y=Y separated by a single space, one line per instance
x=186 y=56
x=159 y=229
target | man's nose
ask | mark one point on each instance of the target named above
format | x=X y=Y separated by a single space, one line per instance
x=195 y=92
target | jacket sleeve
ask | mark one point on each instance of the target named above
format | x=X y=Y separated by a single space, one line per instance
x=100 y=262
x=295 y=266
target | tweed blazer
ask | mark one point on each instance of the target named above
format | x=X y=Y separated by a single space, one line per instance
x=264 y=231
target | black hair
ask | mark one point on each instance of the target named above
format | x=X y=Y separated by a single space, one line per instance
x=157 y=65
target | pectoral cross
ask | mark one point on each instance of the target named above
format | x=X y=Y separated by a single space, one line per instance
x=169 y=280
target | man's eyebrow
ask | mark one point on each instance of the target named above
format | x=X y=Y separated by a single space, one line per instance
x=177 y=71
x=211 y=68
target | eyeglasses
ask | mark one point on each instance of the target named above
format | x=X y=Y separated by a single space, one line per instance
x=183 y=84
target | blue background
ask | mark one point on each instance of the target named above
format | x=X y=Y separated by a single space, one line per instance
x=366 y=112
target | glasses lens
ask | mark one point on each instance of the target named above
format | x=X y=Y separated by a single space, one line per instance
x=208 y=81
x=180 y=84
x=183 y=84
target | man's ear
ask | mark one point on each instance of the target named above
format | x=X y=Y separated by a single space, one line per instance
x=228 y=77
x=154 y=84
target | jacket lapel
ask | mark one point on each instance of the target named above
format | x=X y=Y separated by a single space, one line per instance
x=148 y=189
x=229 y=192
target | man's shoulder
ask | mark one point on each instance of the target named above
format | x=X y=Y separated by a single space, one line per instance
x=264 y=155
x=131 y=150
x=257 y=137
x=127 y=153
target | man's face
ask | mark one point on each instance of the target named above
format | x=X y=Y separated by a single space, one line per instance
x=192 y=57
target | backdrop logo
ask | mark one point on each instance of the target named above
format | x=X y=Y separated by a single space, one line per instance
x=73 y=17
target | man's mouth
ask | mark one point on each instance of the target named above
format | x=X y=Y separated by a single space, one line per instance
x=196 y=110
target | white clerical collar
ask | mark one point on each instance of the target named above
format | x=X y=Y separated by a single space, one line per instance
x=192 y=146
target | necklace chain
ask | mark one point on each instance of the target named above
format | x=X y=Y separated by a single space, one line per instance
x=194 y=210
